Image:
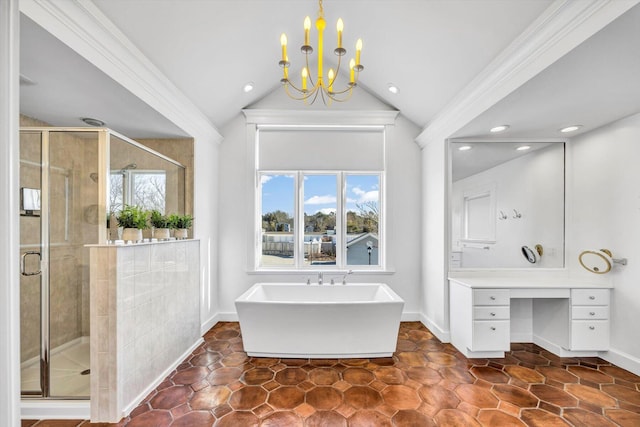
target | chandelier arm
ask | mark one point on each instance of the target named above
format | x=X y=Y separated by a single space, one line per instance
x=309 y=70
x=342 y=91
x=334 y=98
x=301 y=98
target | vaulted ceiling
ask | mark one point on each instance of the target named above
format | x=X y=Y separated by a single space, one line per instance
x=431 y=50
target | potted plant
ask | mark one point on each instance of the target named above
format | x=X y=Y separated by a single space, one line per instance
x=181 y=224
x=133 y=220
x=160 y=224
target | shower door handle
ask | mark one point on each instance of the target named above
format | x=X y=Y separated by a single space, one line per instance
x=23 y=264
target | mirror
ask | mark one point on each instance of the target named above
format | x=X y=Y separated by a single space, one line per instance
x=507 y=204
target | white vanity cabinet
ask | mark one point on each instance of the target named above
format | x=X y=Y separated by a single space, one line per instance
x=568 y=318
x=480 y=319
x=589 y=319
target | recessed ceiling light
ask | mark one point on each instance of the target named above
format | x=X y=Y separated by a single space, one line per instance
x=464 y=148
x=92 y=122
x=393 y=88
x=498 y=129
x=523 y=148
x=571 y=128
x=248 y=87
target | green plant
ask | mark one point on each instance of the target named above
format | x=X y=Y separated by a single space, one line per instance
x=158 y=220
x=180 y=221
x=132 y=217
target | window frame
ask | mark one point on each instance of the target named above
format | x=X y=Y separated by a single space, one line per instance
x=341 y=220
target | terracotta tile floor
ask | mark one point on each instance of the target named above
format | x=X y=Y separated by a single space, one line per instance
x=425 y=383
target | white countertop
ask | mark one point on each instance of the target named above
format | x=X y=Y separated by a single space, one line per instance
x=527 y=283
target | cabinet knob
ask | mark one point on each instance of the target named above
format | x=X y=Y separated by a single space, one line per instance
x=592 y=327
x=493 y=328
x=493 y=314
x=592 y=297
x=492 y=298
x=592 y=313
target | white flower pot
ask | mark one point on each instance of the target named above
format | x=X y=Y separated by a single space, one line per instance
x=181 y=233
x=132 y=235
x=161 y=233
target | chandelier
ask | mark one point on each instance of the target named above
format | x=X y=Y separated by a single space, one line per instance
x=310 y=88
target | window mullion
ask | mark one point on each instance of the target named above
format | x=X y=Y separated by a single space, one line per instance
x=299 y=220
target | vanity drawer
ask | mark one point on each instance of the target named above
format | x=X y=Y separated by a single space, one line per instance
x=590 y=312
x=590 y=335
x=491 y=335
x=490 y=297
x=491 y=313
x=590 y=297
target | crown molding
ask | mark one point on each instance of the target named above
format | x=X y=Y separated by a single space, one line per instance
x=560 y=28
x=85 y=29
x=320 y=118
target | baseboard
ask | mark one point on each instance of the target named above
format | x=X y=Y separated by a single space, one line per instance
x=622 y=359
x=559 y=350
x=521 y=337
x=40 y=409
x=410 y=317
x=444 y=336
x=229 y=316
x=152 y=386
x=209 y=323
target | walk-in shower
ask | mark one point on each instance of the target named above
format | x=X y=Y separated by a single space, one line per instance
x=70 y=179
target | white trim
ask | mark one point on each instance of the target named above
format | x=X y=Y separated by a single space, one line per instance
x=9 y=214
x=441 y=334
x=159 y=379
x=622 y=359
x=319 y=118
x=39 y=409
x=209 y=323
x=560 y=28
x=83 y=27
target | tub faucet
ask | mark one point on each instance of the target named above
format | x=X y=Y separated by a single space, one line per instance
x=344 y=278
x=320 y=278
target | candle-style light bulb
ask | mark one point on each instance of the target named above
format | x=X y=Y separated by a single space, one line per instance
x=305 y=75
x=358 y=50
x=307 y=26
x=331 y=76
x=283 y=43
x=340 y=27
x=352 y=72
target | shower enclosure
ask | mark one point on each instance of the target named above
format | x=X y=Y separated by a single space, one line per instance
x=70 y=179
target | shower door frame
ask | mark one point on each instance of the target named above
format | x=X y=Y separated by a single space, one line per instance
x=45 y=246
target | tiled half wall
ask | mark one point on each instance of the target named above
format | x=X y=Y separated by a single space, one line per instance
x=144 y=318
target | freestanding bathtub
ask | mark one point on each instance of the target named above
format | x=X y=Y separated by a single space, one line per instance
x=311 y=321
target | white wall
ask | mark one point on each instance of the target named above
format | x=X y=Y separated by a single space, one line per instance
x=604 y=197
x=236 y=192
x=434 y=288
x=205 y=208
x=9 y=200
x=531 y=184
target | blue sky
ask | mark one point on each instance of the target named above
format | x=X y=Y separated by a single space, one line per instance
x=320 y=192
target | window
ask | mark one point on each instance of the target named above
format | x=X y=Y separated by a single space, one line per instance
x=334 y=223
x=144 y=188
x=319 y=189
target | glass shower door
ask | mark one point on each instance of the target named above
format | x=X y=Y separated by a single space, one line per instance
x=59 y=216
